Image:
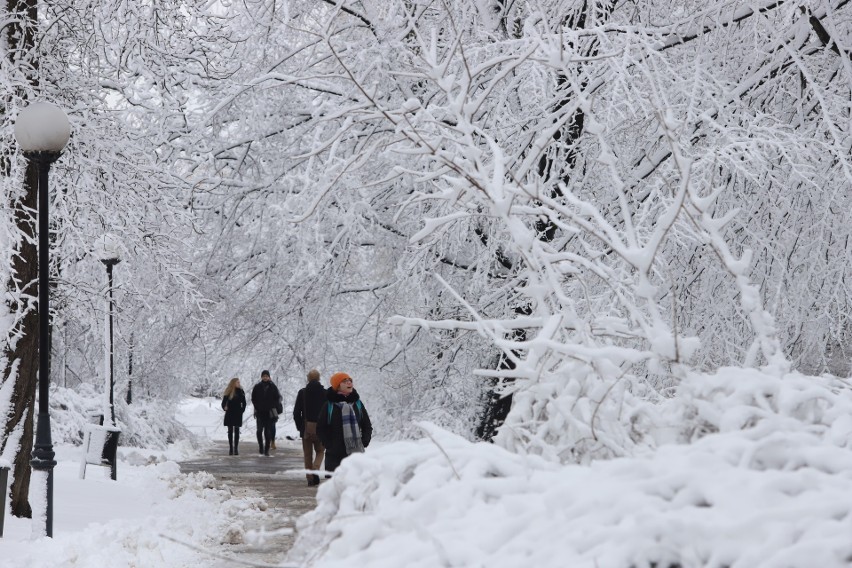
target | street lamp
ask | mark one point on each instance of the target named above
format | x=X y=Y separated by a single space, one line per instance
x=107 y=249
x=130 y=370
x=42 y=131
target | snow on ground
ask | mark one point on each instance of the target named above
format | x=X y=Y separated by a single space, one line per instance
x=203 y=417
x=750 y=471
x=151 y=516
x=766 y=482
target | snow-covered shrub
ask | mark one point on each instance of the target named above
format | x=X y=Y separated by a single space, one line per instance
x=576 y=414
x=151 y=424
x=144 y=424
x=762 y=404
x=765 y=482
x=70 y=411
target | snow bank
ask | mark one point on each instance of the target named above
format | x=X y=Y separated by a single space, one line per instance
x=766 y=480
x=152 y=516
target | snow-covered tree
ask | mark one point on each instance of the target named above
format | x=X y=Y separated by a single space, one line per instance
x=564 y=203
x=125 y=74
x=604 y=191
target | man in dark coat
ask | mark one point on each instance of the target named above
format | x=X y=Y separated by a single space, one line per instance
x=267 y=406
x=343 y=424
x=309 y=402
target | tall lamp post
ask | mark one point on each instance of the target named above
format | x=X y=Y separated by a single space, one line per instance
x=130 y=370
x=42 y=131
x=107 y=248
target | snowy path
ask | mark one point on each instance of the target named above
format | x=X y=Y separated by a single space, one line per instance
x=253 y=475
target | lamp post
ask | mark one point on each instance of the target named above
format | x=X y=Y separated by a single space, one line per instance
x=130 y=370
x=42 y=131
x=107 y=248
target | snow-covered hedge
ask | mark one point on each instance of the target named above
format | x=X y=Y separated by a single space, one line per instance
x=144 y=424
x=735 y=399
x=757 y=472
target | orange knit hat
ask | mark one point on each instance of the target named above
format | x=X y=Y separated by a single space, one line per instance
x=338 y=378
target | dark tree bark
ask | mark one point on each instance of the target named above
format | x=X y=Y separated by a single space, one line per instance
x=496 y=406
x=22 y=352
x=553 y=169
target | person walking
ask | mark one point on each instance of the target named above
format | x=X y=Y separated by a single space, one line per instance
x=309 y=402
x=279 y=410
x=267 y=406
x=234 y=404
x=343 y=425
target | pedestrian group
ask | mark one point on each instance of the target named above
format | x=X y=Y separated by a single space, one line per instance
x=332 y=422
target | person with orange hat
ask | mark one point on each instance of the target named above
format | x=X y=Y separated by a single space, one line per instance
x=343 y=425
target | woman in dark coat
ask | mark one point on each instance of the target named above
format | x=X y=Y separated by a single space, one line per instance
x=234 y=404
x=343 y=424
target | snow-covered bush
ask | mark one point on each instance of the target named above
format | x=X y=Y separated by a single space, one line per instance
x=606 y=195
x=761 y=404
x=145 y=423
x=764 y=479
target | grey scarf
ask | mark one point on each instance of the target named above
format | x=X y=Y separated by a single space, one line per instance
x=351 y=430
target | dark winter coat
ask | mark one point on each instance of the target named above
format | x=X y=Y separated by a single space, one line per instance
x=309 y=402
x=330 y=422
x=265 y=397
x=234 y=408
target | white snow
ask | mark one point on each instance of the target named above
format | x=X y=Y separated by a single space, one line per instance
x=750 y=470
x=152 y=516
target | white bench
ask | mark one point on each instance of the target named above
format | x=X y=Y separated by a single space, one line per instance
x=100 y=447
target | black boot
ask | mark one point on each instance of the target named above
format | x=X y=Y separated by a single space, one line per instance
x=237 y=443
x=230 y=442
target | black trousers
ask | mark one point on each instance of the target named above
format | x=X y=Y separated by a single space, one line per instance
x=233 y=437
x=333 y=460
x=265 y=433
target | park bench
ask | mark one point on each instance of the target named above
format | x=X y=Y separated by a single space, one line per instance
x=100 y=447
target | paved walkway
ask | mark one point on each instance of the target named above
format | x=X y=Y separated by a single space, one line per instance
x=251 y=475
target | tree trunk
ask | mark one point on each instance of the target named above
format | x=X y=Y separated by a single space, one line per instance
x=553 y=169
x=21 y=353
x=496 y=406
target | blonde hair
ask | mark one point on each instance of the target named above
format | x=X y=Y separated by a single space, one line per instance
x=232 y=387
